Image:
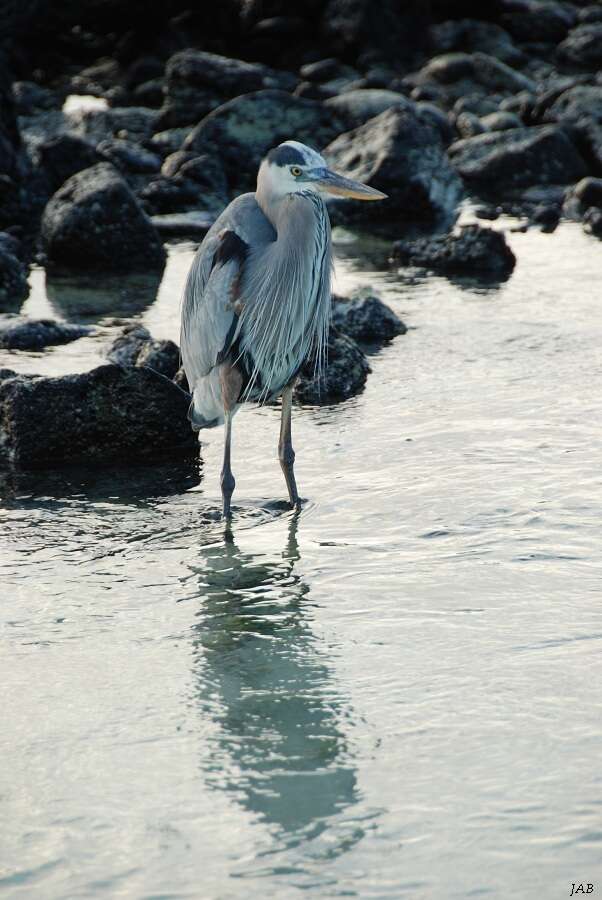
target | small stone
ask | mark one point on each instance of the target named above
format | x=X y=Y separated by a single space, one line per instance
x=366 y=318
x=21 y=333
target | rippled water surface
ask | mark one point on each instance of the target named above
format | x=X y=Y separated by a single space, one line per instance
x=394 y=693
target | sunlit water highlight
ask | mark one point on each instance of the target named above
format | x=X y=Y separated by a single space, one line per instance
x=394 y=693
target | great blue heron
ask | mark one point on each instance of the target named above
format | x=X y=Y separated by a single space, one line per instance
x=257 y=298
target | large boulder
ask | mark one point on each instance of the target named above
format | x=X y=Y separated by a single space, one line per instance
x=197 y=82
x=357 y=106
x=22 y=333
x=471 y=250
x=95 y=221
x=399 y=152
x=518 y=158
x=243 y=130
x=106 y=415
x=345 y=374
x=580 y=107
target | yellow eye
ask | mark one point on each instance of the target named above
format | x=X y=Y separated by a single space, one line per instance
x=296 y=171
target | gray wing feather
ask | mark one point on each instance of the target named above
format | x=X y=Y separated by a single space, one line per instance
x=209 y=321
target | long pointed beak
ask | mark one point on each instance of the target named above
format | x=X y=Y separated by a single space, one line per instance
x=337 y=184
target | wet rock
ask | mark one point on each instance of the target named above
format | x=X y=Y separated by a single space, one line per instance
x=13 y=279
x=21 y=333
x=94 y=221
x=136 y=347
x=585 y=194
x=399 y=152
x=470 y=35
x=111 y=413
x=344 y=377
x=125 y=349
x=197 y=82
x=356 y=107
x=470 y=250
x=583 y=46
x=63 y=156
x=518 y=158
x=365 y=318
x=592 y=221
x=547 y=216
x=242 y=131
x=129 y=157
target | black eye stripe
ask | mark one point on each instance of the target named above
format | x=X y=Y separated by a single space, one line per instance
x=285 y=156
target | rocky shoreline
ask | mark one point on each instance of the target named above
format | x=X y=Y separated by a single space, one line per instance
x=433 y=103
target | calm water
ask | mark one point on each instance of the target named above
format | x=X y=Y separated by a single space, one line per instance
x=395 y=693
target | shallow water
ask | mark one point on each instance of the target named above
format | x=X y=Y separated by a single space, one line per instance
x=394 y=693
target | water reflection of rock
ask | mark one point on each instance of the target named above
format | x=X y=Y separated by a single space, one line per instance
x=91 y=297
x=262 y=680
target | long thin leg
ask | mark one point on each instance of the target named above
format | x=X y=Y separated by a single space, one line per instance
x=286 y=454
x=227 y=478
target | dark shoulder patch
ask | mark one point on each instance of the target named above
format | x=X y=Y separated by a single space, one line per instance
x=231 y=246
x=286 y=156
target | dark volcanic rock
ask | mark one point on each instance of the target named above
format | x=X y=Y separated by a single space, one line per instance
x=197 y=82
x=398 y=152
x=585 y=194
x=389 y=31
x=244 y=129
x=470 y=35
x=94 y=221
x=356 y=107
x=108 y=414
x=581 y=108
x=539 y=22
x=518 y=158
x=365 y=318
x=464 y=73
x=13 y=280
x=583 y=46
x=592 y=221
x=136 y=347
x=345 y=374
x=129 y=157
x=64 y=156
x=547 y=215
x=470 y=250
x=188 y=181
x=21 y=333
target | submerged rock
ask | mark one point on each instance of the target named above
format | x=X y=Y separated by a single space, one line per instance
x=108 y=414
x=21 y=333
x=472 y=249
x=518 y=158
x=365 y=318
x=344 y=377
x=13 y=279
x=95 y=221
x=400 y=153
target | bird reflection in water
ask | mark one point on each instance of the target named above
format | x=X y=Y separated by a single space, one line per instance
x=262 y=679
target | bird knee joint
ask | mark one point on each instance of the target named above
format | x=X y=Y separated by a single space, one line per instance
x=286 y=454
x=227 y=482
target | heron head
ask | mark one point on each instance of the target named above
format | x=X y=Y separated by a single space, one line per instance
x=294 y=168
